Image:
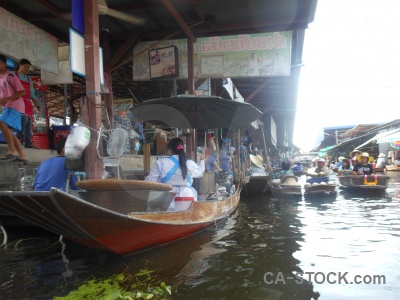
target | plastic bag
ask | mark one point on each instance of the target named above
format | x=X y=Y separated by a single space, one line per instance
x=76 y=142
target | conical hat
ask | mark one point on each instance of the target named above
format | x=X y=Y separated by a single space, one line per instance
x=256 y=161
x=289 y=180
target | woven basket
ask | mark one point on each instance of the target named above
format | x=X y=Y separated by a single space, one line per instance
x=121 y=185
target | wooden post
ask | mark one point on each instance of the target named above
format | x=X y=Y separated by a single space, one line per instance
x=146 y=159
x=91 y=108
x=265 y=144
x=108 y=98
x=190 y=56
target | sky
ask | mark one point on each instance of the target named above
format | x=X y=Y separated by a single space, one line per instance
x=351 y=72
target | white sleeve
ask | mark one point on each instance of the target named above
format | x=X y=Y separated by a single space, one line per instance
x=155 y=173
x=195 y=170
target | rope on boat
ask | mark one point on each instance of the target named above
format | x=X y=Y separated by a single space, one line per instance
x=4 y=236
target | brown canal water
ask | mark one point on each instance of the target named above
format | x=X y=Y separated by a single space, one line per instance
x=342 y=247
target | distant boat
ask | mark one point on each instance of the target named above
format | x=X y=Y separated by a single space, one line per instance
x=117 y=221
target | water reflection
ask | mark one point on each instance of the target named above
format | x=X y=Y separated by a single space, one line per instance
x=253 y=255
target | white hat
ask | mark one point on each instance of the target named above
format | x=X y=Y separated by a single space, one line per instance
x=381 y=155
x=341 y=158
x=321 y=159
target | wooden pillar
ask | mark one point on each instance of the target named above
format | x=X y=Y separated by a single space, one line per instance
x=91 y=108
x=190 y=52
x=108 y=98
x=146 y=159
x=191 y=139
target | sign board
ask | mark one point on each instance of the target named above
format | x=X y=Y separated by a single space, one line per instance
x=77 y=55
x=20 y=39
x=163 y=63
x=77 y=52
x=248 y=55
x=64 y=69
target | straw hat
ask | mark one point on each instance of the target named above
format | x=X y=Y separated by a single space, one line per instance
x=260 y=157
x=381 y=155
x=355 y=151
x=365 y=154
x=341 y=158
x=289 y=180
x=256 y=161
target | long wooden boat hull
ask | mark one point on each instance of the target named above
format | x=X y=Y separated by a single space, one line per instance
x=356 y=182
x=392 y=168
x=257 y=185
x=321 y=189
x=299 y=173
x=284 y=191
x=111 y=230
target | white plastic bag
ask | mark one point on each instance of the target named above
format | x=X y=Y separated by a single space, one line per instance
x=76 y=142
x=79 y=137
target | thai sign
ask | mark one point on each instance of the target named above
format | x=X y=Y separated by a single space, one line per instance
x=247 y=55
x=20 y=39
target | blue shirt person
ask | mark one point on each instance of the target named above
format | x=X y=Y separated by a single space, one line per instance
x=52 y=174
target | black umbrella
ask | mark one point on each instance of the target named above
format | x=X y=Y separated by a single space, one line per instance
x=196 y=112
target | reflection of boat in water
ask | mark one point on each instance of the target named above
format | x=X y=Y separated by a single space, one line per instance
x=117 y=220
x=364 y=182
x=319 y=185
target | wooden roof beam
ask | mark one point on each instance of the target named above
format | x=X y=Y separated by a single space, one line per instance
x=182 y=24
x=54 y=10
x=257 y=90
x=132 y=40
x=133 y=5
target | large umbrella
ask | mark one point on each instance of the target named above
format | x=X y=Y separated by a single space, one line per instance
x=196 y=112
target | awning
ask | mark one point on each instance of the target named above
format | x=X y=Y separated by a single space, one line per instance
x=390 y=138
x=379 y=136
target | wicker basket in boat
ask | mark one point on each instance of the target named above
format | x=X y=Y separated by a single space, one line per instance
x=121 y=185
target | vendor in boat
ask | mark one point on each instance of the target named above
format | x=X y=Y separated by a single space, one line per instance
x=321 y=168
x=177 y=170
x=212 y=162
x=52 y=173
x=257 y=166
x=380 y=163
x=364 y=167
x=226 y=162
x=355 y=152
x=297 y=167
x=285 y=170
x=346 y=168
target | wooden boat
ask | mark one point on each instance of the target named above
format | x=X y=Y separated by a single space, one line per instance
x=117 y=221
x=319 y=185
x=379 y=170
x=392 y=168
x=257 y=185
x=360 y=183
x=287 y=186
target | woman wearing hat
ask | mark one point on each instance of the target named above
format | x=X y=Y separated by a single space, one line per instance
x=364 y=167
